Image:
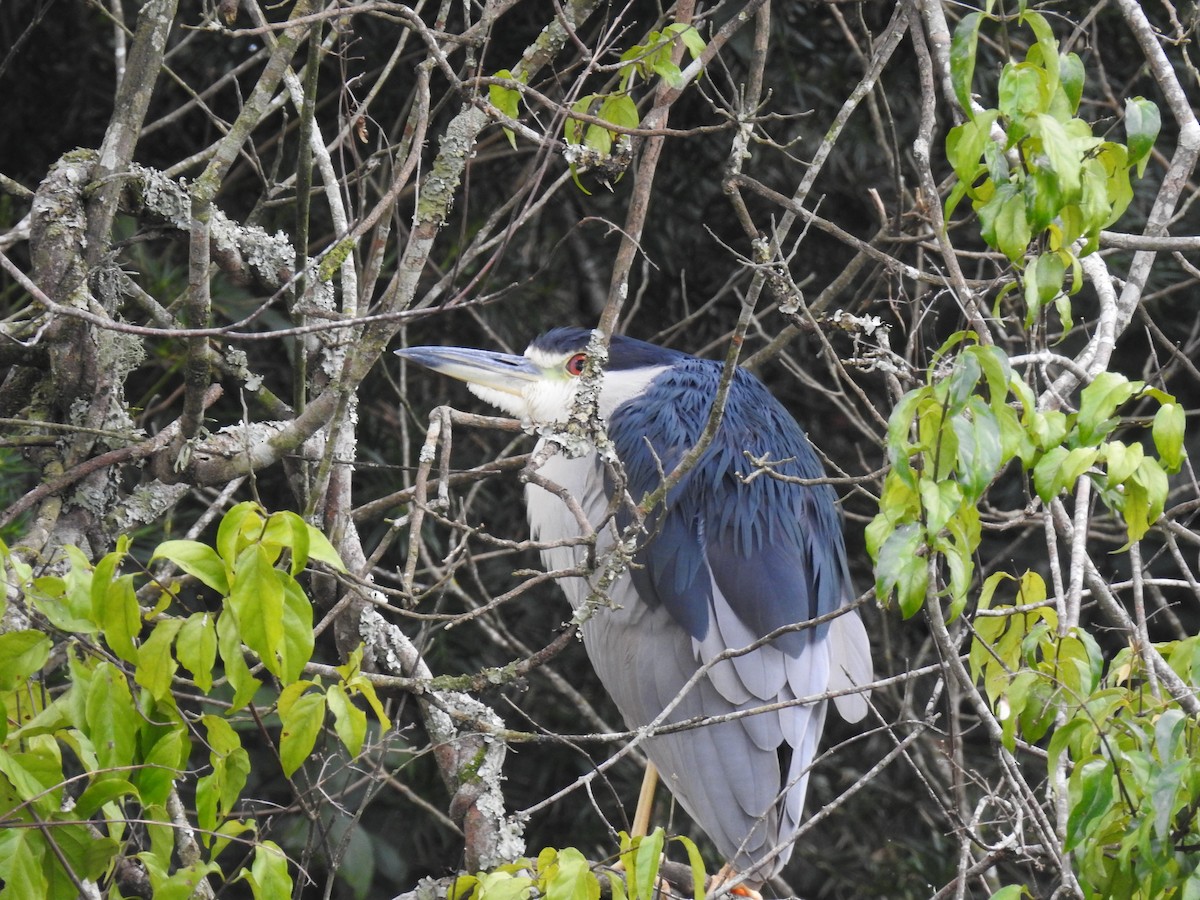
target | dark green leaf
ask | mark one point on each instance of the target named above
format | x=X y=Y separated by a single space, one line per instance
x=1071 y=78
x=1142 y=125
x=162 y=766
x=100 y=792
x=962 y=58
x=301 y=725
x=903 y=569
x=979 y=450
x=1091 y=797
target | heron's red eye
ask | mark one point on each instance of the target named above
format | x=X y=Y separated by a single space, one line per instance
x=575 y=364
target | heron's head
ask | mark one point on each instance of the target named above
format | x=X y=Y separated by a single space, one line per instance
x=540 y=385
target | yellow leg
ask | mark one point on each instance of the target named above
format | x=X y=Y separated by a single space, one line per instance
x=641 y=816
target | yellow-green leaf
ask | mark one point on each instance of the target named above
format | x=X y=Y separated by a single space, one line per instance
x=1168 y=431
x=301 y=726
x=349 y=721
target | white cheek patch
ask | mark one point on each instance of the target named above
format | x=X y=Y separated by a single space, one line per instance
x=509 y=403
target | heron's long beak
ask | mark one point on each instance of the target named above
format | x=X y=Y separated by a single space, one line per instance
x=498 y=371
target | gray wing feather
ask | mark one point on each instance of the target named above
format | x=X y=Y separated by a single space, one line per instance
x=726 y=775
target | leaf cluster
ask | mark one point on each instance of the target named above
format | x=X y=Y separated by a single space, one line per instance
x=1133 y=788
x=566 y=874
x=591 y=144
x=122 y=721
x=949 y=439
x=1032 y=168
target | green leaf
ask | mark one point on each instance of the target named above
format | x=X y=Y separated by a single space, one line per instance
x=162 y=766
x=155 y=665
x=503 y=886
x=87 y=854
x=1044 y=199
x=198 y=560
x=1065 y=157
x=649 y=854
x=268 y=875
x=690 y=36
x=25 y=877
x=615 y=885
x=302 y=723
x=1097 y=403
x=463 y=887
x=1168 y=431
x=22 y=653
x=229 y=642
x=120 y=617
x=1142 y=124
x=573 y=129
x=1023 y=91
x=507 y=100
x=349 y=721
x=243 y=521
x=112 y=717
x=620 y=110
x=962 y=58
x=573 y=878
x=1010 y=892
x=99 y=792
x=1071 y=77
x=183 y=883
x=1046 y=47
x=1003 y=223
x=1147 y=490
x=196 y=648
x=902 y=568
x=1091 y=790
x=22 y=771
x=1121 y=461
x=321 y=550
x=297 y=646
x=257 y=600
x=979 y=450
x=1050 y=273
x=227 y=831
x=217 y=793
x=665 y=69
x=940 y=501
x=1058 y=469
x=696 y=861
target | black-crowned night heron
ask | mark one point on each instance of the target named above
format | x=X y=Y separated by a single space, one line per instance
x=724 y=562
